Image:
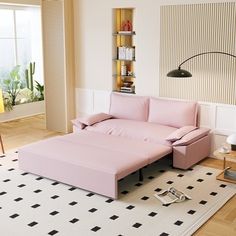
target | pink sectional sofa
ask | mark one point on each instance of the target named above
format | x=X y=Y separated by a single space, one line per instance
x=107 y=147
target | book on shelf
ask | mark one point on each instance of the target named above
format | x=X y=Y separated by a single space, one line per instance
x=130 y=89
x=126 y=53
x=171 y=195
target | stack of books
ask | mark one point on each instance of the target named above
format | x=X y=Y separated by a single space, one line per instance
x=126 y=53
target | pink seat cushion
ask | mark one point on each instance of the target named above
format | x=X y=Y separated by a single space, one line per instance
x=137 y=130
x=109 y=154
x=129 y=107
x=172 y=113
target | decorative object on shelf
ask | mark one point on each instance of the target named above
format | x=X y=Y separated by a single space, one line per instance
x=126 y=26
x=232 y=141
x=1 y=102
x=180 y=73
x=123 y=70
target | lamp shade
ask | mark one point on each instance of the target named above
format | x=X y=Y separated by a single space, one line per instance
x=179 y=73
x=232 y=140
x=1 y=102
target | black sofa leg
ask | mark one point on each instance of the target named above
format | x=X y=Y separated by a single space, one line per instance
x=140 y=175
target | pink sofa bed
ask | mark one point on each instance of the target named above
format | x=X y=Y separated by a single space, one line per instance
x=107 y=147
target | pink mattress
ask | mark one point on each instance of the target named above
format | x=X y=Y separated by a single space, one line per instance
x=89 y=160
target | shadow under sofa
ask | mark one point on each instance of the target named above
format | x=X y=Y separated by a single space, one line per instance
x=105 y=148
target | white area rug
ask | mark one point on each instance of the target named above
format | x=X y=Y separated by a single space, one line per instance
x=35 y=206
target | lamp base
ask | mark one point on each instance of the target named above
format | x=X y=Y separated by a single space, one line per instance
x=233 y=147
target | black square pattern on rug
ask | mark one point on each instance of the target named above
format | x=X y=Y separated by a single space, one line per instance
x=109 y=200
x=158 y=190
x=14 y=216
x=152 y=214
x=90 y=194
x=35 y=206
x=138 y=184
x=190 y=187
x=96 y=228
x=73 y=203
x=38 y=191
x=18 y=199
x=2 y=193
x=32 y=224
x=191 y=212
x=223 y=185
x=125 y=192
x=55 y=183
x=130 y=207
x=72 y=189
x=92 y=210
x=164 y=234
x=209 y=173
x=74 y=220
x=202 y=202
x=21 y=185
x=137 y=225
x=144 y=198
x=180 y=175
x=213 y=193
x=114 y=217
x=200 y=180
x=6 y=180
x=178 y=222
x=53 y=213
x=54 y=197
x=169 y=182
x=151 y=177
x=53 y=232
x=39 y=178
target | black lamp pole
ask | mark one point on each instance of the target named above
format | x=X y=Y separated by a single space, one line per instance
x=180 y=73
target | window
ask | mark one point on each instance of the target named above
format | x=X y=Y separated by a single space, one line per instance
x=20 y=40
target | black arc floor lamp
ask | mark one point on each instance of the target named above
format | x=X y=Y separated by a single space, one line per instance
x=180 y=73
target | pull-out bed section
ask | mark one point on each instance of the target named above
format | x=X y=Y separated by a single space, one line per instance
x=89 y=160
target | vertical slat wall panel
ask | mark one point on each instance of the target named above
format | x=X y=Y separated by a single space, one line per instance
x=190 y=29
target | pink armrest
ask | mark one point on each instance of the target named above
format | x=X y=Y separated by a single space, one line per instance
x=192 y=137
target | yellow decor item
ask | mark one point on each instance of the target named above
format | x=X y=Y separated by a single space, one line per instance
x=1 y=102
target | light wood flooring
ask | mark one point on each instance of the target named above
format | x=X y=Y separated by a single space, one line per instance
x=23 y=131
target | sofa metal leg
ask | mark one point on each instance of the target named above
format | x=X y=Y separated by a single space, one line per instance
x=140 y=175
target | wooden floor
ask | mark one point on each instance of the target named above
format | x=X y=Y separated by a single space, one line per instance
x=20 y=132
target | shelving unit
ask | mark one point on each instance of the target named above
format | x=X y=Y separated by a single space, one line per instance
x=123 y=50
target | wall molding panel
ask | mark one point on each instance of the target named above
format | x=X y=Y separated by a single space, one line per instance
x=186 y=30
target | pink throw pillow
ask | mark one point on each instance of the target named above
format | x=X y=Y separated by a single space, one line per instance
x=179 y=133
x=95 y=118
x=78 y=124
x=192 y=137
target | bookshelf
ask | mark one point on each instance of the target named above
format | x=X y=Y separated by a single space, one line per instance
x=123 y=50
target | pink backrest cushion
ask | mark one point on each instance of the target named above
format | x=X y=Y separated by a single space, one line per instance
x=172 y=113
x=129 y=107
x=95 y=118
x=192 y=137
x=179 y=133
